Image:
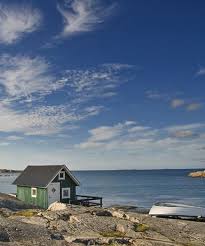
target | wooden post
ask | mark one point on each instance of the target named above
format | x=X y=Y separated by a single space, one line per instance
x=101 y=202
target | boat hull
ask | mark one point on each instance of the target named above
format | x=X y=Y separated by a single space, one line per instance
x=176 y=210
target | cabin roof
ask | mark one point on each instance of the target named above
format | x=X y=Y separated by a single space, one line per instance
x=41 y=176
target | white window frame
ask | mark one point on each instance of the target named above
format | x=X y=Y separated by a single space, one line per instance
x=65 y=197
x=32 y=195
x=59 y=175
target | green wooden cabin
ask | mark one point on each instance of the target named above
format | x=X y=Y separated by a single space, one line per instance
x=43 y=185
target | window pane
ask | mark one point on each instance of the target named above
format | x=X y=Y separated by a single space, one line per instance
x=34 y=192
x=66 y=193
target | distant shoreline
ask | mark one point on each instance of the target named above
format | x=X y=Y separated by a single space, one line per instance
x=7 y=171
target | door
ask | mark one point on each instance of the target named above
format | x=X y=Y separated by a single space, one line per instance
x=53 y=193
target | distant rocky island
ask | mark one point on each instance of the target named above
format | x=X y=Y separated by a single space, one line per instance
x=197 y=174
x=9 y=171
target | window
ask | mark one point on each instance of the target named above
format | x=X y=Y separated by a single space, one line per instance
x=61 y=175
x=33 y=192
x=65 y=193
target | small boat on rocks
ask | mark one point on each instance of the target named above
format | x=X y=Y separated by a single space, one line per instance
x=164 y=209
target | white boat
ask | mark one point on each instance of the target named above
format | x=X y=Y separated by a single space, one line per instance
x=163 y=209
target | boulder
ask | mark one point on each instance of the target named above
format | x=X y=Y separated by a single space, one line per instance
x=102 y=213
x=118 y=214
x=64 y=215
x=134 y=220
x=57 y=236
x=56 y=206
x=74 y=219
x=120 y=228
x=69 y=239
x=4 y=236
x=5 y=212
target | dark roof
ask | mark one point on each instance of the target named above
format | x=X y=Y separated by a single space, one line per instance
x=41 y=176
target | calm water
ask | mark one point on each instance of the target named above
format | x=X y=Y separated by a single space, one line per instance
x=138 y=188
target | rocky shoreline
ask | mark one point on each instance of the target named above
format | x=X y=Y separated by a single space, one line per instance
x=76 y=225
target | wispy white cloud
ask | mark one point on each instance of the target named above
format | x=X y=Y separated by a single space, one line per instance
x=193 y=106
x=83 y=16
x=120 y=136
x=23 y=77
x=184 y=134
x=14 y=138
x=201 y=71
x=4 y=144
x=44 y=120
x=193 y=126
x=145 y=144
x=176 y=103
x=153 y=94
x=30 y=78
x=135 y=136
x=24 y=80
x=16 y=21
x=98 y=82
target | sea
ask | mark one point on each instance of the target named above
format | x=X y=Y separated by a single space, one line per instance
x=140 y=188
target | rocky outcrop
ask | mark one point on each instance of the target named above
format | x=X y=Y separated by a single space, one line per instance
x=56 y=206
x=10 y=202
x=78 y=225
x=197 y=174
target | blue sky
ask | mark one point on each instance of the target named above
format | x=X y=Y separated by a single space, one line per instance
x=102 y=84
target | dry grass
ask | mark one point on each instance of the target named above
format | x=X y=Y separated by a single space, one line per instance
x=25 y=213
x=112 y=234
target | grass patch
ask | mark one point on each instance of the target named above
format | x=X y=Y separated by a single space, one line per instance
x=25 y=213
x=140 y=227
x=112 y=234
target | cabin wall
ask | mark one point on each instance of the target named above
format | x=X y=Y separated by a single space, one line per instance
x=24 y=194
x=68 y=182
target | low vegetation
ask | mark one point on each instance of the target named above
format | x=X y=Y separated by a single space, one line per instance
x=140 y=227
x=25 y=213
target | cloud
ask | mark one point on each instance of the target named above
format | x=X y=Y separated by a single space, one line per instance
x=193 y=106
x=186 y=127
x=136 y=137
x=14 y=138
x=30 y=78
x=16 y=21
x=23 y=77
x=98 y=82
x=26 y=82
x=4 y=144
x=83 y=16
x=201 y=71
x=120 y=136
x=145 y=147
x=184 y=134
x=156 y=95
x=175 y=103
x=44 y=120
